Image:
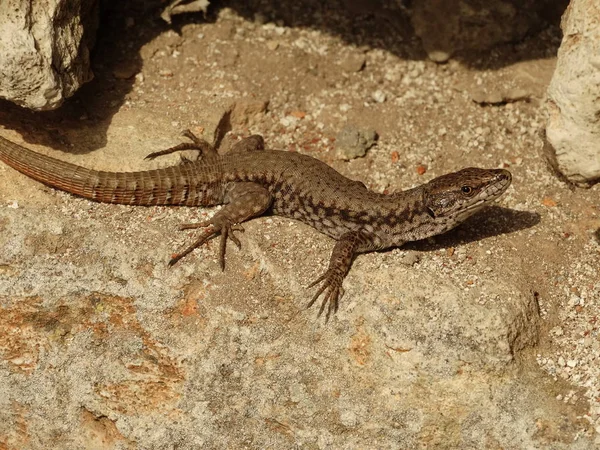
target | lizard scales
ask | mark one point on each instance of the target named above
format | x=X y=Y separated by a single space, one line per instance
x=250 y=180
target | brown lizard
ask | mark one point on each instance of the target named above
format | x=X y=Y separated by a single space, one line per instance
x=250 y=180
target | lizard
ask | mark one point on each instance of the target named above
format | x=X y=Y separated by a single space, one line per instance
x=250 y=180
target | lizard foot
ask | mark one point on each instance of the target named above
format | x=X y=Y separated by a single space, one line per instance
x=213 y=229
x=200 y=145
x=332 y=287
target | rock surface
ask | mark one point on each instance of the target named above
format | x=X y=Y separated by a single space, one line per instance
x=442 y=344
x=44 y=50
x=573 y=129
x=94 y=324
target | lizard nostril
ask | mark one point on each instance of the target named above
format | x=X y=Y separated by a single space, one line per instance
x=504 y=175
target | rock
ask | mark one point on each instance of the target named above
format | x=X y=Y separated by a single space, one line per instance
x=352 y=142
x=353 y=63
x=410 y=258
x=573 y=141
x=247 y=111
x=379 y=96
x=121 y=348
x=181 y=7
x=44 y=50
x=127 y=69
x=526 y=80
x=446 y=27
x=103 y=345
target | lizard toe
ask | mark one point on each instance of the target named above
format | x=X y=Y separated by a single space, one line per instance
x=332 y=292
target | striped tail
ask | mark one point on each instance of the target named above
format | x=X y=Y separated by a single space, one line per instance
x=175 y=185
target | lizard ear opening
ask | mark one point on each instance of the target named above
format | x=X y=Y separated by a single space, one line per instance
x=430 y=212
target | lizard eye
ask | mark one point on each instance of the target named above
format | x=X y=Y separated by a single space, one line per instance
x=467 y=190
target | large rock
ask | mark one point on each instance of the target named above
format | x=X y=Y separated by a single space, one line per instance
x=103 y=346
x=573 y=129
x=44 y=50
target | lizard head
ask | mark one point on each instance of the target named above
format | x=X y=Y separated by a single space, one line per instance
x=456 y=196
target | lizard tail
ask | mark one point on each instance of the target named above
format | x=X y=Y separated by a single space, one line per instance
x=176 y=185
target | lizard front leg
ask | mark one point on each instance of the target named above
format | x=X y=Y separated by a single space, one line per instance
x=243 y=202
x=348 y=246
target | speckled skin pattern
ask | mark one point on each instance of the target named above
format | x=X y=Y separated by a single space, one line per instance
x=250 y=180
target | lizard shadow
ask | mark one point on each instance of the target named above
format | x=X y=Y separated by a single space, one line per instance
x=492 y=221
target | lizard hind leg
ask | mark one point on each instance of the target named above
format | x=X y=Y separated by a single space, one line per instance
x=244 y=201
x=197 y=144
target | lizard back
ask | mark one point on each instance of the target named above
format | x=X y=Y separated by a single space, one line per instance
x=290 y=177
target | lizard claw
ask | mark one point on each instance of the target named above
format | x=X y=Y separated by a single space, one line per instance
x=199 y=145
x=225 y=229
x=332 y=287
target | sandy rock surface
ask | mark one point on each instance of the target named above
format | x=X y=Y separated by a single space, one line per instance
x=485 y=337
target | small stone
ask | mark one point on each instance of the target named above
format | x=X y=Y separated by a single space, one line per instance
x=482 y=96
x=516 y=94
x=353 y=63
x=410 y=259
x=353 y=142
x=246 y=111
x=348 y=418
x=574 y=301
x=379 y=96
x=175 y=8
x=439 y=56
x=125 y=70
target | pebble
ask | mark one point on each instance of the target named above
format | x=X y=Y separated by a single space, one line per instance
x=353 y=142
x=353 y=63
x=379 y=96
x=410 y=258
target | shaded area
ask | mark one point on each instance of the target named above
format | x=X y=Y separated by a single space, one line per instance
x=127 y=26
x=597 y=235
x=493 y=221
x=408 y=28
